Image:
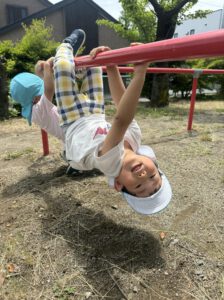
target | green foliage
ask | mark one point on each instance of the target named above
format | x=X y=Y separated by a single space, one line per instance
x=14 y=108
x=197 y=14
x=63 y=293
x=6 y=48
x=139 y=18
x=183 y=82
x=37 y=43
x=149 y=20
x=137 y=22
x=213 y=63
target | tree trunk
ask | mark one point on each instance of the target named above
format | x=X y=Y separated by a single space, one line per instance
x=160 y=87
x=4 y=103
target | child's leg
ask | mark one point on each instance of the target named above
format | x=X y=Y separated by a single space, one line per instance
x=92 y=86
x=66 y=88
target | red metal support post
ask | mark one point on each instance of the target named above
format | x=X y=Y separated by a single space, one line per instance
x=196 y=75
x=45 y=142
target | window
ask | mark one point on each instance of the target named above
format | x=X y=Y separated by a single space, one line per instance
x=192 y=31
x=15 y=13
x=175 y=35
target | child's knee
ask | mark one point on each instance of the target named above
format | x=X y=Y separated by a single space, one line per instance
x=63 y=65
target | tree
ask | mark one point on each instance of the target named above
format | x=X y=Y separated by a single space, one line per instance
x=37 y=43
x=153 y=20
x=212 y=63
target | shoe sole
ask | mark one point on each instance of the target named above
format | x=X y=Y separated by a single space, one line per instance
x=83 y=41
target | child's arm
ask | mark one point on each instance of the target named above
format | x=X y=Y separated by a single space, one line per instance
x=126 y=109
x=48 y=81
x=116 y=84
x=44 y=69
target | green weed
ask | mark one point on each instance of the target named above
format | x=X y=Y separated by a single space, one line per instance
x=206 y=137
x=17 y=154
x=63 y=293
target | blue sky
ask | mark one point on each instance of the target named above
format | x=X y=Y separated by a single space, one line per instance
x=113 y=7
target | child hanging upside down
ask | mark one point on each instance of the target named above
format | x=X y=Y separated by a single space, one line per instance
x=93 y=143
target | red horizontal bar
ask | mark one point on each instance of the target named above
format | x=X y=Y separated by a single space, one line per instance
x=209 y=44
x=170 y=70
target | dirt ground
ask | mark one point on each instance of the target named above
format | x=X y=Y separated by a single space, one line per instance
x=72 y=237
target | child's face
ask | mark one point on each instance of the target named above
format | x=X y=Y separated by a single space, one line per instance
x=139 y=176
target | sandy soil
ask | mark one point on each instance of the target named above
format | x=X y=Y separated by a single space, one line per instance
x=72 y=237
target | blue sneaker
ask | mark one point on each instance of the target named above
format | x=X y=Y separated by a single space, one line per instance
x=76 y=39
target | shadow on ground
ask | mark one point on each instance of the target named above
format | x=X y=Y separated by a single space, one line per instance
x=99 y=244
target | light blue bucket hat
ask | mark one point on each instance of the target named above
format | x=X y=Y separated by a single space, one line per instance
x=23 y=88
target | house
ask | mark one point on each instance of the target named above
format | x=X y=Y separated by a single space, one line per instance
x=212 y=21
x=11 y=11
x=63 y=16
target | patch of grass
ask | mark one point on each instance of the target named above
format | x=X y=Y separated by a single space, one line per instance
x=174 y=113
x=206 y=137
x=63 y=293
x=219 y=110
x=10 y=250
x=110 y=110
x=198 y=150
x=17 y=154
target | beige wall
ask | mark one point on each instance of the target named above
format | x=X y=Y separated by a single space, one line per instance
x=55 y=19
x=32 y=5
x=109 y=38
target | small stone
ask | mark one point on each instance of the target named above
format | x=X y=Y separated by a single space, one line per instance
x=200 y=262
x=135 y=289
x=198 y=272
x=166 y=273
x=174 y=242
x=130 y=296
x=114 y=206
x=162 y=235
x=87 y=295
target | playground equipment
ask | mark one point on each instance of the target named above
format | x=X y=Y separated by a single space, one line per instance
x=196 y=74
x=209 y=44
